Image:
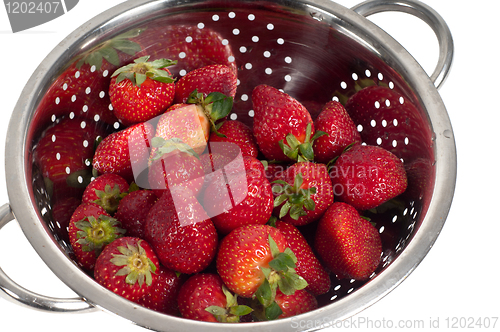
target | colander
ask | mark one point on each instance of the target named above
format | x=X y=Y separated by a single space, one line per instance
x=316 y=51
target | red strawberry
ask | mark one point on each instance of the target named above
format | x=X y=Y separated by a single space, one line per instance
x=213 y=163
x=366 y=176
x=61 y=214
x=133 y=210
x=234 y=131
x=186 y=122
x=181 y=233
x=304 y=193
x=81 y=90
x=106 y=190
x=341 y=132
x=274 y=171
x=174 y=165
x=420 y=173
x=193 y=122
x=200 y=47
x=392 y=121
x=254 y=261
x=127 y=267
x=63 y=153
x=208 y=79
x=124 y=152
x=348 y=244
x=239 y=198
x=142 y=90
x=204 y=297
x=163 y=296
x=295 y=304
x=308 y=265
x=91 y=229
x=277 y=115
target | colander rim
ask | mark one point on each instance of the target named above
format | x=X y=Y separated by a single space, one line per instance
x=18 y=185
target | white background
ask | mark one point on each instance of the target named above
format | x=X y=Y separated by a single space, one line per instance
x=458 y=278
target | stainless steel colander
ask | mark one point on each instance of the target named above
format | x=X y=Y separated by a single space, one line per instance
x=316 y=51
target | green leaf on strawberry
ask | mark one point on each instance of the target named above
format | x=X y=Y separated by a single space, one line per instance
x=294 y=197
x=215 y=105
x=109 y=197
x=108 y=50
x=138 y=71
x=232 y=312
x=164 y=146
x=137 y=267
x=300 y=151
x=280 y=275
x=273 y=311
x=95 y=233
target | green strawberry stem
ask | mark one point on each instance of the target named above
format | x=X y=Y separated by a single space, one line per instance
x=215 y=106
x=232 y=312
x=297 y=151
x=294 y=197
x=164 y=147
x=138 y=71
x=137 y=267
x=94 y=234
x=108 y=50
x=109 y=198
x=280 y=275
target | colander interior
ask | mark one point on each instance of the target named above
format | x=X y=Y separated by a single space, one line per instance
x=309 y=53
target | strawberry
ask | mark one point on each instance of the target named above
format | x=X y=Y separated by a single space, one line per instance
x=366 y=176
x=291 y=305
x=141 y=90
x=127 y=267
x=186 y=122
x=193 y=122
x=218 y=158
x=212 y=162
x=204 y=297
x=340 y=129
x=274 y=170
x=63 y=153
x=349 y=245
x=240 y=197
x=181 y=233
x=254 y=261
x=200 y=47
x=402 y=127
x=234 y=131
x=81 y=90
x=125 y=152
x=308 y=265
x=419 y=173
x=175 y=164
x=106 y=190
x=62 y=210
x=205 y=80
x=277 y=115
x=133 y=209
x=163 y=295
x=91 y=229
x=304 y=192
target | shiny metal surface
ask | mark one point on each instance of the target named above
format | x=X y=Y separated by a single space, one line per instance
x=19 y=295
x=428 y=15
x=307 y=28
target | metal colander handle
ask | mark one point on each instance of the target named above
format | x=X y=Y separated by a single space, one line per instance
x=429 y=16
x=19 y=295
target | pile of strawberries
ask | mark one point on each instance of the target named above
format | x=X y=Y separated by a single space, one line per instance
x=191 y=214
